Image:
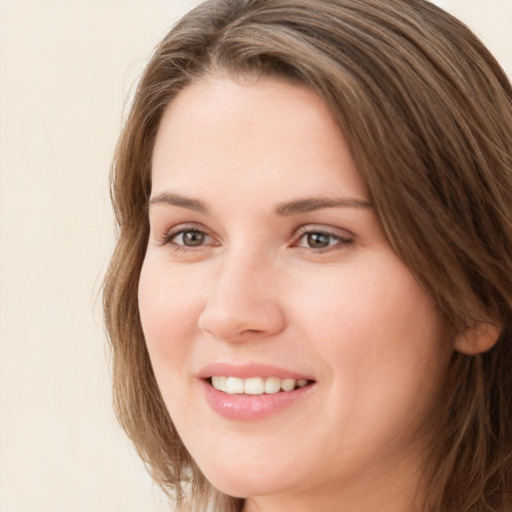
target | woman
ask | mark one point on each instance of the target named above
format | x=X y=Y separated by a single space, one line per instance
x=310 y=301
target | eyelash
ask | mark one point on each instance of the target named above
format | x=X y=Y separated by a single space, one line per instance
x=169 y=237
x=305 y=231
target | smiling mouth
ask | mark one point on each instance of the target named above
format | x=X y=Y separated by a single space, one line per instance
x=256 y=385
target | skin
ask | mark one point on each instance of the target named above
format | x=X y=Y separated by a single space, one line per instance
x=254 y=290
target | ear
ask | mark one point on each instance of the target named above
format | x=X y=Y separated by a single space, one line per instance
x=478 y=339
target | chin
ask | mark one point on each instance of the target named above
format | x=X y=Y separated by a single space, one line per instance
x=242 y=484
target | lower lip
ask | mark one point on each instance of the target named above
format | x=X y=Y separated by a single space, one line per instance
x=251 y=407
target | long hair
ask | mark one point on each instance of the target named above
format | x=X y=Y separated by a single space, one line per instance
x=427 y=114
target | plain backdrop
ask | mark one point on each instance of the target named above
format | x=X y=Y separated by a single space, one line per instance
x=67 y=68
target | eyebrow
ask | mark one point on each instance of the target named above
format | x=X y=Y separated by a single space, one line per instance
x=177 y=200
x=317 y=203
x=284 y=209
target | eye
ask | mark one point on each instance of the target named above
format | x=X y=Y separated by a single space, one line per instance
x=189 y=238
x=321 y=240
x=184 y=237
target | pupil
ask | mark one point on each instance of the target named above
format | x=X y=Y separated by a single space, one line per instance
x=318 y=240
x=192 y=238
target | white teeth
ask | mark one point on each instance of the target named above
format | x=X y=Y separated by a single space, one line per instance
x=219 y=383
x=255 y=385
x=272 y=385
x=234 y=385
x=288 y=384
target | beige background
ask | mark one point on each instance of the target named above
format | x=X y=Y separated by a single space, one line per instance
x=66 y=68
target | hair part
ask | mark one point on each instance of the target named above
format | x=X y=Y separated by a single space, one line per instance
x=427 y=114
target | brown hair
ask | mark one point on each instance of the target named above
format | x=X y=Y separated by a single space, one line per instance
x=427 y=114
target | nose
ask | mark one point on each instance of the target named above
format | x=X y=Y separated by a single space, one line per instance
x=242 y=301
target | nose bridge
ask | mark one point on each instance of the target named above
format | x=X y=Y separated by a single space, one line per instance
x=242 y=296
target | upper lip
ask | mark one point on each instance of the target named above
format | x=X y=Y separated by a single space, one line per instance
x=247 y=370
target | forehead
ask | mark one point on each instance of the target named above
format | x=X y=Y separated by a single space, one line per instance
x=266 y=135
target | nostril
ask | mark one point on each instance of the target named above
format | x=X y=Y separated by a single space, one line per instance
x=235 y=313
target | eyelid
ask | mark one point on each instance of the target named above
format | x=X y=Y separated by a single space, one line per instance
x=345 y=237
x=322 y=228
x=168 y=235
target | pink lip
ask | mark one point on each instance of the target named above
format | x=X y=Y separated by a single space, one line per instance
x=245 y=371
x=250 y=407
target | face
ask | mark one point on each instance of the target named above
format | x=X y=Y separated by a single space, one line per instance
x=295 y=352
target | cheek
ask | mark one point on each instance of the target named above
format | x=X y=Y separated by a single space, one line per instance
x=379 y=303
x=169 y=307
x=376 y=328
x=364 y=302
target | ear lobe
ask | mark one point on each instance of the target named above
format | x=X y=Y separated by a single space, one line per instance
x=478 y=339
